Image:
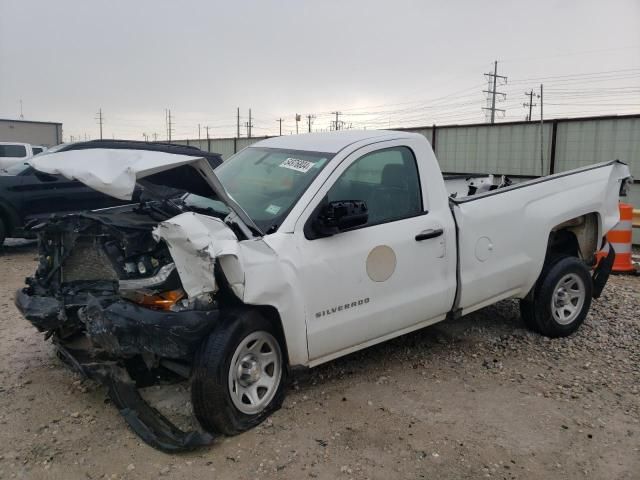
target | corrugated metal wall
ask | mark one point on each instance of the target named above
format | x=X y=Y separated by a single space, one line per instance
x=224 y=146
x=506 y=149
x=580 y=143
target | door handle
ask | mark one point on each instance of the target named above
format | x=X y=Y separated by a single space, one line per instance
x=427 y=234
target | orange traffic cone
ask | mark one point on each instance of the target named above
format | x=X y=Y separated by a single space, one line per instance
x=620 y=239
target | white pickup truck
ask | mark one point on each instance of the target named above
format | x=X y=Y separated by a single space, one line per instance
x=295 y=251
x=14 y=153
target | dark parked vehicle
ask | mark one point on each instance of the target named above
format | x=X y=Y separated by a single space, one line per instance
x=27 y=194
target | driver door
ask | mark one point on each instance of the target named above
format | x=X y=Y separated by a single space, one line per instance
x=377 y=280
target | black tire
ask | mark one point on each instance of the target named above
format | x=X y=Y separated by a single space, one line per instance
x=528 y=315
x=539 y=314
x=3 y=232
x=211 y=393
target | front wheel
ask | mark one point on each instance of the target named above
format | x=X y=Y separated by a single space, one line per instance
x=3 y=232
x=239 y=374
x=561 y=300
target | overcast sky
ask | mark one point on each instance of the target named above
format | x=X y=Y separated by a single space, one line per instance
x=381 y=63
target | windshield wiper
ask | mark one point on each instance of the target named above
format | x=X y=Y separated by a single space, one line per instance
x=272 y=229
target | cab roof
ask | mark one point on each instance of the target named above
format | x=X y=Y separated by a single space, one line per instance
x=330 y=142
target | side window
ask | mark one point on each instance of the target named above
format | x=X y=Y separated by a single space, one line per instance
x=387 y=180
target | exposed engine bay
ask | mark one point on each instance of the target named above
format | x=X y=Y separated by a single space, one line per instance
x=109 y=296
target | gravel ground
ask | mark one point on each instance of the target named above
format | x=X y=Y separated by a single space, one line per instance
x=479 y=397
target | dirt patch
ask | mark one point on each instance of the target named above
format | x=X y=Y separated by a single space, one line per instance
x=479 y=397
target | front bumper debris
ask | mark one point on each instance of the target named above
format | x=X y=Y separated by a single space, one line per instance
x=125 y=329
x=149 y=424
x=112 y=335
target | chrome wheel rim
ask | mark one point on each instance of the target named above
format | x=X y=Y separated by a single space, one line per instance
x=568 y=299
x=255 y=372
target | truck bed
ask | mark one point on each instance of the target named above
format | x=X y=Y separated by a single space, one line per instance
x=500 y=253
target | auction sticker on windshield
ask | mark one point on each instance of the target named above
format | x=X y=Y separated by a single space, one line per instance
x=272 y=209
x=296 y=164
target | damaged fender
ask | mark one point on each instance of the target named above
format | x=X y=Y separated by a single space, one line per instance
x=252 y=268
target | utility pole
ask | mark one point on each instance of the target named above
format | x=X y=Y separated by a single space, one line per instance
x=21 y=115
x=280 y=122
x=541 y=134
x=493 y=79
x=207 y=130
x=298 y=118
x=100 y=119
x=238 y=123
x=155 y=137
x=336 y=123
x=249 y=125
x=146 y=137
x=310 y=121
x=198 y=135
x=530 y=104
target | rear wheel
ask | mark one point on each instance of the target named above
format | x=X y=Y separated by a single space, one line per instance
x=561 y=299
x=239 y=374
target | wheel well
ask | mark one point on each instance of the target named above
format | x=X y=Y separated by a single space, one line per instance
x=577 y=237
x=271 y=313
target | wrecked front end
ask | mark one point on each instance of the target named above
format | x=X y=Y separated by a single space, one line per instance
x=110 y=298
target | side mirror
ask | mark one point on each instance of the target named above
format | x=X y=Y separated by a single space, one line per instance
x=335 y=217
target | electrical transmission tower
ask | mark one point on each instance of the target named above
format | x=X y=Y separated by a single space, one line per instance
x=492 y=92
x=530 y=104
x=169 y=121
x=249 y=125
x=100 y=120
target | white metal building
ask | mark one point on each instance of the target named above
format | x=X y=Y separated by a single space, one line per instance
x=47 y=134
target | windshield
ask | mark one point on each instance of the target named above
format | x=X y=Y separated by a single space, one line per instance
x=267 y=182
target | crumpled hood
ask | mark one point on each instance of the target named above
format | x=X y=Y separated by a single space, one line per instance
x=113 y=172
